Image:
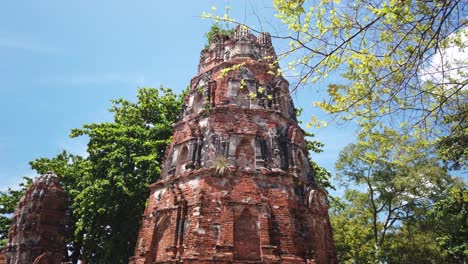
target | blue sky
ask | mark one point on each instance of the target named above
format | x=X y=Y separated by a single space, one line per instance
x=61 y=62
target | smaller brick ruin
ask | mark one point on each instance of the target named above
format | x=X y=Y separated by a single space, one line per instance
x=2 y=257
x=37 y=233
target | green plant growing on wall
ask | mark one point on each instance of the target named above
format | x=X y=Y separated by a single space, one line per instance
x=206 y=105
x=200 y=90
x=221 y=165
x=217 y=30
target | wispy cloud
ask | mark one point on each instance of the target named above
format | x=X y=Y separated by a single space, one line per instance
x=76 y=146
x=29 y=45
x=130 y=78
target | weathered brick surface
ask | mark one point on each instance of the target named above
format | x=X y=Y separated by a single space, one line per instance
x=237 y=186
x=37 y=233
x=2 y=257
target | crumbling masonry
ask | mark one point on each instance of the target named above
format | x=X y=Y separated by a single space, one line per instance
x=37 y=232
x=236 y=186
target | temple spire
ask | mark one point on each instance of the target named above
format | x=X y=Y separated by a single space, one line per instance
x=236 y=183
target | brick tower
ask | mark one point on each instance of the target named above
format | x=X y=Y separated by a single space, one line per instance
x=236 y=184
x=37 y=232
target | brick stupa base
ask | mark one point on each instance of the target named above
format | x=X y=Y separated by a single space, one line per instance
x=238 y=217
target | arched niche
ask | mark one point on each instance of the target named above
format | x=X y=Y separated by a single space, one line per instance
x=299 y=159
x=261 y=152
x=182 y=160
x=197 y=102
x=265 y=96
x=163 y=238
x=241 y=88
x=295 y=135
x=45 y=258
x=245 y=74
x=239 y=91
x=283 y=99
x=246 y=237
x=199 y=95
x=274 y=231
x=245 y=153
x=233 y=89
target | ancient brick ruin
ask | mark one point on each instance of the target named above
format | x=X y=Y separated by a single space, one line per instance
x=236 y=186
x=37 y=233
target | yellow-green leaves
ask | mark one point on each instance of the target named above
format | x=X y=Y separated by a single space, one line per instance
x=315 y=122
x=380 y=47
x=242 y=84
x=260 y=89
x=226 y=71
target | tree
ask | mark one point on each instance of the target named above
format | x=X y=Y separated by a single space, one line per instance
x=451 y=223
x=453 y=149
x=126 y=157
x=322 y=177
x=411 y=242
x=352 y=228
x=109 y=188
x=414 y=242
x=437 y=235
x=395 y=187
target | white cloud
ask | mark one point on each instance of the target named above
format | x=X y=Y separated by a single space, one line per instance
x=29 y=45
x=136 y=79
x=451 y=63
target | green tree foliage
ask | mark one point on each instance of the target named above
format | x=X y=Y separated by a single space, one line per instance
x=437 y=235
x=451 y=223
x=393 y=188
x=404 y=82
x=126 y=157
x=321 y=176
x=413 y=241
x=8 y=201
x=453 y=149
x=352 y=228
x=410 y=244
x=109 y=188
